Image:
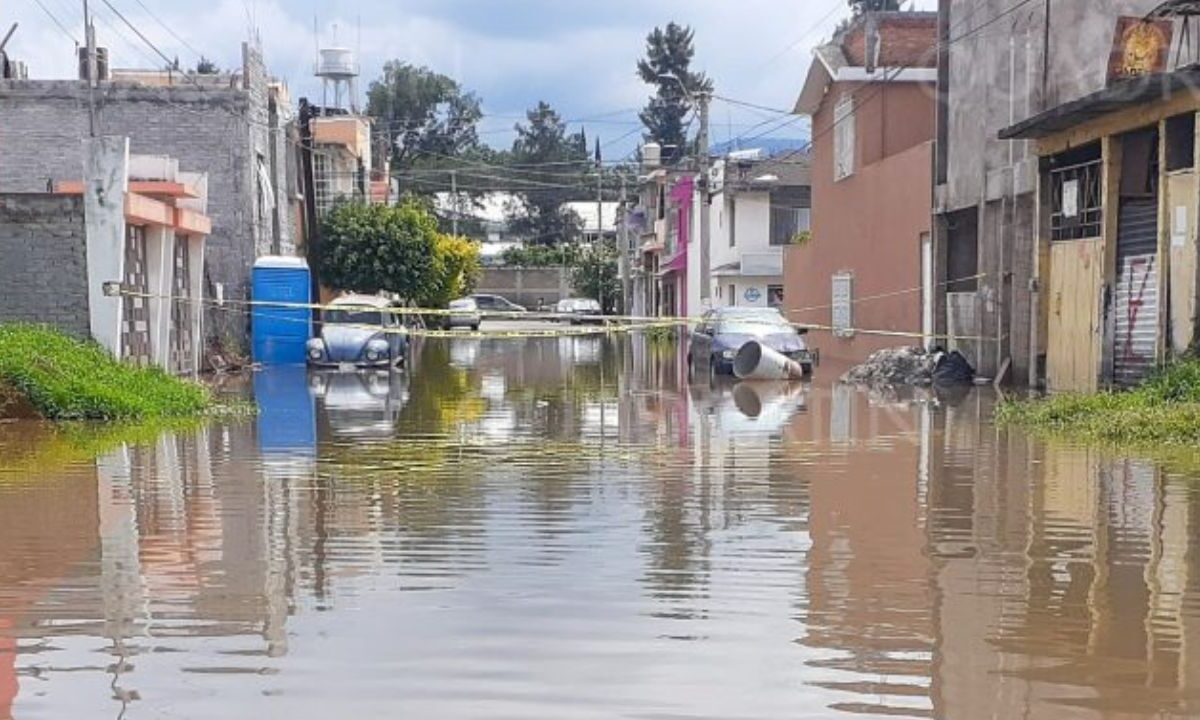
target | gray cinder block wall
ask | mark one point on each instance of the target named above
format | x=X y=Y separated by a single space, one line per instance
x=220 y=130
x=43 y=261
x=997 y=69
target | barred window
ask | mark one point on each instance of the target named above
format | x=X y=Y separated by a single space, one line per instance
x=843 y=138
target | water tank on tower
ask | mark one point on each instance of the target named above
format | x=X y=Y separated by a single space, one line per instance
x=338 y=71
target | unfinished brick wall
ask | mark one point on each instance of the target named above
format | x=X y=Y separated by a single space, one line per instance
x=907 y=39
x=44 y=267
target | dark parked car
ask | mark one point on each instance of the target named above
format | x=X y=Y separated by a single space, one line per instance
x=357 y=331
x=722 y=332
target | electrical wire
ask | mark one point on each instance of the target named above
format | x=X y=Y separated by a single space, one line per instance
x=879 y=86
x=57 y=22
x=170 y=30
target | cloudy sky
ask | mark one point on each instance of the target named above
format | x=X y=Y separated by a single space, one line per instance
x=578 y=55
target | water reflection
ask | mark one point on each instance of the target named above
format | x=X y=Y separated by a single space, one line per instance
x=568 y=528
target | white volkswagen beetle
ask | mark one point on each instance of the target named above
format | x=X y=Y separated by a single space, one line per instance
x=359 y=331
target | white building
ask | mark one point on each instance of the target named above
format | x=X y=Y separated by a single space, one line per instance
x=758 y=206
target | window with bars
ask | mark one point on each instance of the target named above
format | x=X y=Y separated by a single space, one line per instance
x=843 y=138
x=322 y=183
x=1077 y=206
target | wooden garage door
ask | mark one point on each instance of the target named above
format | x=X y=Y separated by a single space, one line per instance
x=1073 y=344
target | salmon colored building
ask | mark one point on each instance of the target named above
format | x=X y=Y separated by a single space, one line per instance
x=871 y=94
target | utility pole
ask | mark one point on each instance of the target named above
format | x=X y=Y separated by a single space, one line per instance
x=454 y=194
x=623 y=249
x=599 y=248
x=89 y=37
x=702 y=99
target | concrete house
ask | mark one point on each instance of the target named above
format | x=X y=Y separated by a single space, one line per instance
x=664 y=272
x=870 y=94
x=232 y=126
x=140 y=226
x=758 y=207
x=1066 y=196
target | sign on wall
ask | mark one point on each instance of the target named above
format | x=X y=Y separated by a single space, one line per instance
x=753 y=294
x=1140 y=47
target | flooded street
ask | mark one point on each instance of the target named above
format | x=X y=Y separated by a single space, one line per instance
x=566 y=528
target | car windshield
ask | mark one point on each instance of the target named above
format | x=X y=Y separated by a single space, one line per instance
x=752 y=323
x=352 y=316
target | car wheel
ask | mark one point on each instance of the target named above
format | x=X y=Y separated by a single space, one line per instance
x=475 y=327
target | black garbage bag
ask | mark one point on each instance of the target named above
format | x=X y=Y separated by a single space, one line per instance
x=953 y=369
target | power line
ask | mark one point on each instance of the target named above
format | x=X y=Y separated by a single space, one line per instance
x=755 y=106
x=57 y=22
x=168 y=28
x=138 y=32
x=815 y=26
x=879 y=86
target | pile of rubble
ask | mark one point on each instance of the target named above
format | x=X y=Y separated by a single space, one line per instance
x=911 y=366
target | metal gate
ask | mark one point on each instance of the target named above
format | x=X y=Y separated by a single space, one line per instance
x=1135 y=300
x=135 y=310
x=182 y=342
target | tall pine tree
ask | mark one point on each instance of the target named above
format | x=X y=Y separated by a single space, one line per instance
x=667 y=66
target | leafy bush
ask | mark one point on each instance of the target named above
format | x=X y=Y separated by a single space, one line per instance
x=68 y=379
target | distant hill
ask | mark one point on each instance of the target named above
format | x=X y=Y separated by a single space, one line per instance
x=771 y=146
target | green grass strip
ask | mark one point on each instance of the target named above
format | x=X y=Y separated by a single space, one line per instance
x=68 y=379
x=1162 y=411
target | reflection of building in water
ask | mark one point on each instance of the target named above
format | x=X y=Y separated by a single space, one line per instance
x=868 y=597
x=1066 y=585
x=51 y=518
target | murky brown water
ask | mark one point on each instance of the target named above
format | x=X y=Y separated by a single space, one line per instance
x=564 y=529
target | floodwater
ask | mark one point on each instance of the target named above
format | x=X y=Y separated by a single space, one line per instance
x=564 y=528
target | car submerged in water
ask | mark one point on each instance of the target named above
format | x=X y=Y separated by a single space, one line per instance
x=715 y=341
x=359 y=331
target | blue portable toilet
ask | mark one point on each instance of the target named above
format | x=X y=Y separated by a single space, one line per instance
x=279 y=334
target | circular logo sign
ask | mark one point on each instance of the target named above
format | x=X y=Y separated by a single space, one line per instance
x=753 y=294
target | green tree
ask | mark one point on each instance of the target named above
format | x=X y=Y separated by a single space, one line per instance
x=204 y=66
x=594 y=275
x=373 y=248
x=551 y=159
x=423 y=114
x=667 y=66
x=861 y=6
